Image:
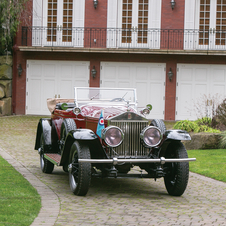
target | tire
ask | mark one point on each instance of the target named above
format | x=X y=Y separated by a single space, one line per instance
x=176 y=179
x=79 y=173
x=65 y=168
x=160 y=124
x=67 y=125
x=46 y=165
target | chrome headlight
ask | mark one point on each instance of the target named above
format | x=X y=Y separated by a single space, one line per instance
x=113 y=136
x=76 y=110
x=145 y=111
x=151 y=136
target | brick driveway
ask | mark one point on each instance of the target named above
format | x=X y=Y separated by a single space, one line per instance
x=109 y=201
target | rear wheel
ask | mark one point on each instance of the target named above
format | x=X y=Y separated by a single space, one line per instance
x=79 y=173
x=159 y=124
x=176 y=179
x=46 y=165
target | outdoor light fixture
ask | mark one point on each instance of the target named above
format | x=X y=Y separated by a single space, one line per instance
x=170 y=75
x=93 y=72
x=173 y=3
x=95 y=2
x=20 y=70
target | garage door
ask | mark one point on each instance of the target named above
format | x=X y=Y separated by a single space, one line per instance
x=147 y=78
x=48 y=79
x=199 y=89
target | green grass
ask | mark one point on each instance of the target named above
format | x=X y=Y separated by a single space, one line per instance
x=19 y=201
x=210 y=163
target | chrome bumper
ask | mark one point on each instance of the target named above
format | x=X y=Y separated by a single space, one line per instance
x=116 y=161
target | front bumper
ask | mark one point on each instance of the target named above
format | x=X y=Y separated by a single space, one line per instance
x=116 y=161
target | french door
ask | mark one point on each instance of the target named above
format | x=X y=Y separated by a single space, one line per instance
x=64 y=23
x=133 y=20
x=59 y=22
x=212 y=24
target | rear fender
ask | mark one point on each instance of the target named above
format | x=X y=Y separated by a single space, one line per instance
x=83 y=136
x=44 y=126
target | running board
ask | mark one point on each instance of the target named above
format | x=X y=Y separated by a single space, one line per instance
x=54 y=158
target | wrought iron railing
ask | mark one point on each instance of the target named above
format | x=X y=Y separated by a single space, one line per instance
x=152 y=39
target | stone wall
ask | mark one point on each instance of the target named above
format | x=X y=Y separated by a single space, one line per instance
x=5 y=85
x=203 y=141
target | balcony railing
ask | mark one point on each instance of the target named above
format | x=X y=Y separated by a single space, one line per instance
x=152 y=39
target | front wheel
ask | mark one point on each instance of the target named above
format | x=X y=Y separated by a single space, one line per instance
x=79 y=173
x=177 y=174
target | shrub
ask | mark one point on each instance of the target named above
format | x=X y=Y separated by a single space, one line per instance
x=219 y=120
x=187 y=125
x=200 y=125
x=222 y=143
x=204 y=121
x=206 y=105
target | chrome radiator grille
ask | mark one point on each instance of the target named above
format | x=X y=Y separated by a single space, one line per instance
x=131 y=146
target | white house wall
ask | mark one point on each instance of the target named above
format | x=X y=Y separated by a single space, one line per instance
x=147 y=78
x=200 y=88
x=51 y=79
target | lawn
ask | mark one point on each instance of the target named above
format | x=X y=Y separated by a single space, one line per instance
x=210 y=163
x=20 y=202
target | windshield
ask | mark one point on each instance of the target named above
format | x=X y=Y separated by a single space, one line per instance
x=88 y=94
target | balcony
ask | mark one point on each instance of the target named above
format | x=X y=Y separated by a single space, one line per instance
x=162 y=40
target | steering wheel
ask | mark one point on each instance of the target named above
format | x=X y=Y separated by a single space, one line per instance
x=119 y=99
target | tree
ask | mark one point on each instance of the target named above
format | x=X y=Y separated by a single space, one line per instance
x=11 y=12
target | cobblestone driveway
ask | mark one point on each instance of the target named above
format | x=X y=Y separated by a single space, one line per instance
x=112 y=201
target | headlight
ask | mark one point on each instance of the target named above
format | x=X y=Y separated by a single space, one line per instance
x=145 y=111
x=151 y=136
x=76 y=110
x=113 y=136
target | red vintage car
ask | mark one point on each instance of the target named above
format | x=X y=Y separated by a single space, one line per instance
x=102 y=133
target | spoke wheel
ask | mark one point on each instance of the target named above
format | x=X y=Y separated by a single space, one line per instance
x=46 y=165
x=176 y=179
x=159 y=124
x=79 y=173
x=67 y=125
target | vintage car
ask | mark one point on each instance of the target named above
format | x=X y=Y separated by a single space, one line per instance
x=101 y=133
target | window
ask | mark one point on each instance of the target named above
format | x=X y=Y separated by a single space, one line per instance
x=52 y=20
x=127 y=7
x=221 y=22
x=67 y=20
x=204 y=22
x=142 y=21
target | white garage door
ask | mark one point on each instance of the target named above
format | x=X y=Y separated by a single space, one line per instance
x=199 y=88
x=49 y=79
x=147 y=78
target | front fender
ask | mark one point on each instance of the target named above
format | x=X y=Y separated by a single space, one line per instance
x=86 y=136
x=177 y=135
x=173 y=136
x=44 y=126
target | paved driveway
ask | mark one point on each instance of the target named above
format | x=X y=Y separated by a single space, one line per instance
x=109 y=201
